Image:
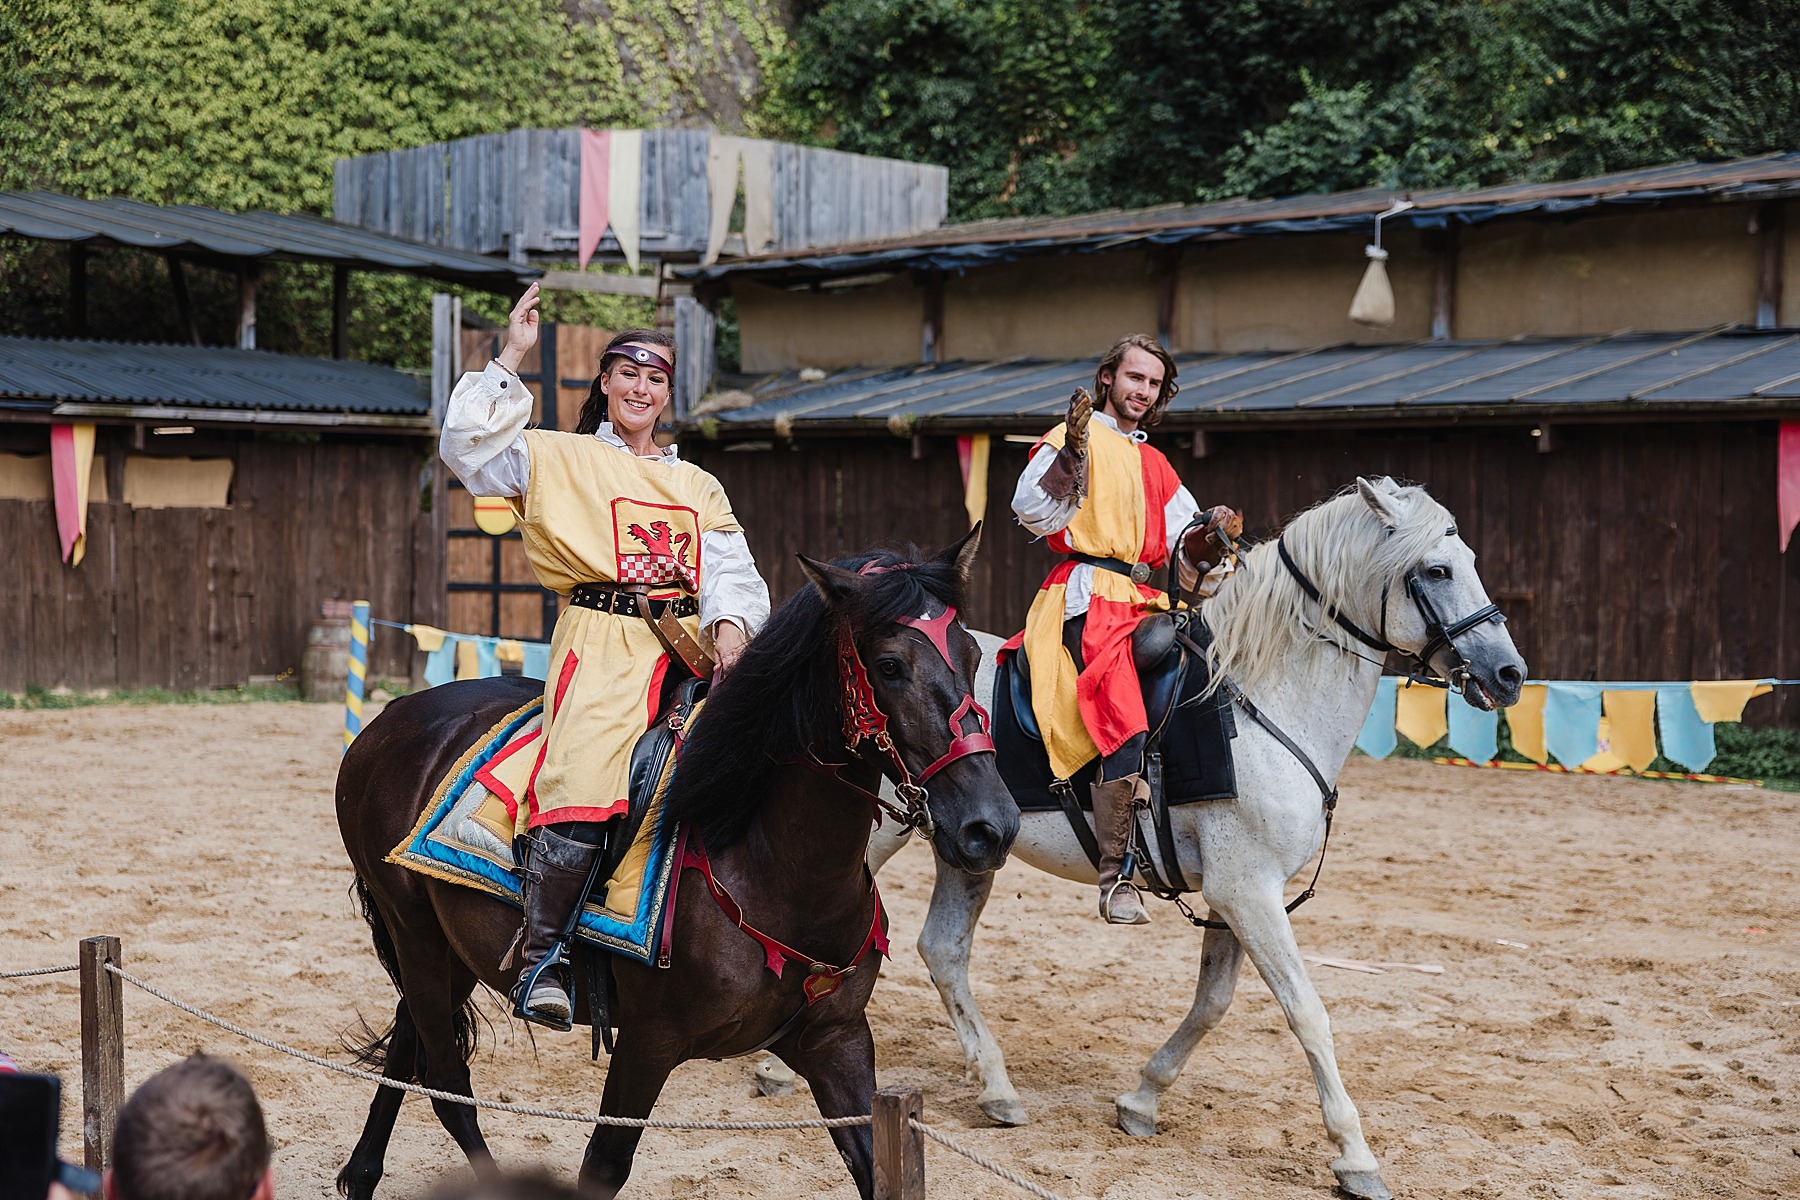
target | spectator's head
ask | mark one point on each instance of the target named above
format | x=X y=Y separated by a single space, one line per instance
x=191 y=1132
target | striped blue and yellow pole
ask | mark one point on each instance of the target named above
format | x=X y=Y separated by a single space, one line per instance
x=359 y=668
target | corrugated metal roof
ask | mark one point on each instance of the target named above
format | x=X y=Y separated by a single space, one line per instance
x=208 y=233
x=957 y=247
x=1529 y=377
x=37 y=372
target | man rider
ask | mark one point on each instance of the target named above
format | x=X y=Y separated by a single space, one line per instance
x=1111 y=503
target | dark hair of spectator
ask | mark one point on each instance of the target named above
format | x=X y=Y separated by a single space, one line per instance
x=193 y=1131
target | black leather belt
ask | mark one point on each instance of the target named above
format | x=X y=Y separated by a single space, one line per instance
x=607 y=598
x=1136 y=572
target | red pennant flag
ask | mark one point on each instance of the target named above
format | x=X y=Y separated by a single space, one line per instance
x=1787 y=475
x=596 y=151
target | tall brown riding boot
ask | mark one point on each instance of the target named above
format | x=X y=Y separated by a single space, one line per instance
x=555 y=876
x=1115 y=812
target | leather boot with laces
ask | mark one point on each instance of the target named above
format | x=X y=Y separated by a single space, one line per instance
x=555 y=878
x=1115 y=816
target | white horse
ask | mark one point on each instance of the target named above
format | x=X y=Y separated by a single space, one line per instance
x=1385 y=562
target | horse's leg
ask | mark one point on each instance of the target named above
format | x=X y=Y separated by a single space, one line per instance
x=1221 y=955
x=635 y=1076
x=1260 y=924
x=839 y=1064
x=438 y=986
x=944 y=943
x=401 y=1061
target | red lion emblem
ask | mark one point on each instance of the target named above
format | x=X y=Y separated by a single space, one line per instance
x=667 y=557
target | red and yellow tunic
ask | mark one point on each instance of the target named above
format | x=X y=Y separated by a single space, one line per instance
x=1100 y=707
x=592 y=514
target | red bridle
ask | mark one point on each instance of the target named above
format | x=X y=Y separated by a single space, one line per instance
x=864 y=720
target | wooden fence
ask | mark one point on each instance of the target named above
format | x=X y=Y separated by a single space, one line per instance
x=519 y=193
x=207 y=597
x=1642 y=551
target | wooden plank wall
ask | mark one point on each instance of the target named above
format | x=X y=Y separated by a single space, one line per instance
x=200 y=598
x=519 y=193
x=1628 y=552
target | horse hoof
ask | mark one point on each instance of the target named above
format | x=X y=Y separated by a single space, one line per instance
x=774 y=1079
x=1364 y=1185
x=1005 y=1112
x=1132 y=1117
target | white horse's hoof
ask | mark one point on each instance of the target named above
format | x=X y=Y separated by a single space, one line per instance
x=1005 y=1112
x=1364 y=1185
x=773 y=1078
x=1135 y=1116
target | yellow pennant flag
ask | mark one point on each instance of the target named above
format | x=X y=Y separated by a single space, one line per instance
x=468 y=660
x=1724 y=699
x=1419 y=714
x=429 y=637
x=509 y=651
x=973 y=451
x=1631 y=721
x=1605 y=759
x=1525 y=721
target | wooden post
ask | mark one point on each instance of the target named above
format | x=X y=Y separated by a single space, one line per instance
x=1770 y=226
x=249 y=276
x=77 y=314
x=102 y=1049
x=340 y=312
x=1443 y=283
x=931 y=323
x=899 y=1148
x=184 y=305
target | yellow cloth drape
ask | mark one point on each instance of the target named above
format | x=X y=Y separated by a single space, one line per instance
x=509 y=651
x=1631 y=722
x=1525 y=721
x=975 y=487
x=1724 y=699
x=429 y=637
x=468 y=660
x=1419 y=713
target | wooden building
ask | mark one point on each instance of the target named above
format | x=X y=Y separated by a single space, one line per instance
x=231 y=491
x=1590 y=374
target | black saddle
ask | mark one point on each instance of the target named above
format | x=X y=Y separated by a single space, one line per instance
x=1187 y=759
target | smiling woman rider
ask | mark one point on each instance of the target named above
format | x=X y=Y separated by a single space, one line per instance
x=627 y=531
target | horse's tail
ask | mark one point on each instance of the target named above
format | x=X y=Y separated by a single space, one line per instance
x=368 y=1045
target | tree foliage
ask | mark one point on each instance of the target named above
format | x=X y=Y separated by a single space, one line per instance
x=244 y=104
x=1068 y=106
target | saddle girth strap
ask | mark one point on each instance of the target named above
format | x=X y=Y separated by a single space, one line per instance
x=822 y=978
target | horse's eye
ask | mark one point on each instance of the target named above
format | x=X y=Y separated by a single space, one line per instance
x=889 y=668
x=1438 y=573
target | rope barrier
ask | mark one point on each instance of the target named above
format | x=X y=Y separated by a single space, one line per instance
x=526 y=1110
x=39 y=971
x=987 y=1164
x=522 y=1110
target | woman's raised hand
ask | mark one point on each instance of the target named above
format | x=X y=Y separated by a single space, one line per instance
x=521 y=330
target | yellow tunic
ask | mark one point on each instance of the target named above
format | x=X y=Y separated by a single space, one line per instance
x=593 y=513
x=1122 y=518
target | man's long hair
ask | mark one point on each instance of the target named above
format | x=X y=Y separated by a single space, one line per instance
x=1110 y=366
x=594 y=410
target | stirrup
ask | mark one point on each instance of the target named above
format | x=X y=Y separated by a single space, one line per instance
x=1106 y=903
x=524 y=990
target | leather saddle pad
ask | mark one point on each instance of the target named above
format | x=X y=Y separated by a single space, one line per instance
x=1191 y=731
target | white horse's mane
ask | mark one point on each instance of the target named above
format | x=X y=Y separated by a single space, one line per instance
x=1261 y=620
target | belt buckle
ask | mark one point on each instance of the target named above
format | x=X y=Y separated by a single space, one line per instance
x=1140 y=572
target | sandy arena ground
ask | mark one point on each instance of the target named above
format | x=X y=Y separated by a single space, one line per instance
x=1642 y=1039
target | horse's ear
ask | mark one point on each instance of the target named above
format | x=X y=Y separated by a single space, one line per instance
x=961 y=553
x=1378 y=500
x=834 y=583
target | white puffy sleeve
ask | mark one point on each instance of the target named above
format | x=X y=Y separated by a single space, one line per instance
x=731 y=588
x=1036 y=509
x=483 y=438
x=1176 y=514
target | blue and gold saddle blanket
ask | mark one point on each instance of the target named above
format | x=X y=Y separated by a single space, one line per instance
x=466 y=832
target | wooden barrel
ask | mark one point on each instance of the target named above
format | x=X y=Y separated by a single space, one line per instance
x=325 y=664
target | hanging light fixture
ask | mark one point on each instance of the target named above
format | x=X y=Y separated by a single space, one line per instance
x=1373 y=303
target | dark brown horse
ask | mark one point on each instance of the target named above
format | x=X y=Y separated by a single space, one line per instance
x=785 y=833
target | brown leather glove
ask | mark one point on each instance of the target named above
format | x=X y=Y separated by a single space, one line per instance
x=1209 y=543
x=1067 y=476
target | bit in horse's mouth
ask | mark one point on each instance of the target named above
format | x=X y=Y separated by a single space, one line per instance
x=1477 y=695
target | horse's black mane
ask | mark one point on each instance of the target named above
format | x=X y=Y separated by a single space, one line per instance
x=780 y=700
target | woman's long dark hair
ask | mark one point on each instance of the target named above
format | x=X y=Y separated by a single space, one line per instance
x=593 y=411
